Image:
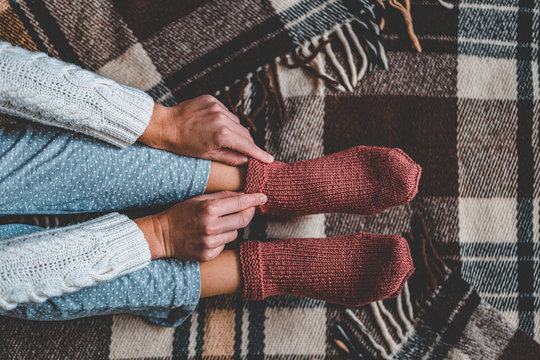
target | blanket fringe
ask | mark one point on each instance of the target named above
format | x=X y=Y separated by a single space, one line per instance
x=405 y=11
x=247 y=98
x=340 y=57
x=394 y=328
x=354 y=49
x=431 y=270
x=384 y=320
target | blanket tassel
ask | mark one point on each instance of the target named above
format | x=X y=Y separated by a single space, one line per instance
x=391 y=329
x=340 y=58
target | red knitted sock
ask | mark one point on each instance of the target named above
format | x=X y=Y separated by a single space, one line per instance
x=351 y=270
x=360 y=180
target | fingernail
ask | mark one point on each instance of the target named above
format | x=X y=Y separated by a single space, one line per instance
x=263 y=199
x=270 y=158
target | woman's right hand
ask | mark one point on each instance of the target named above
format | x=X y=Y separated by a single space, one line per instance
x=198 y=229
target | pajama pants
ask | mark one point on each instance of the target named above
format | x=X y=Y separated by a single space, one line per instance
x=50 y=171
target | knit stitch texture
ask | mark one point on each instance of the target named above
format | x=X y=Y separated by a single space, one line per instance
x=361 y=180
x=54 y=262
x=44 y=89
x=350 y=270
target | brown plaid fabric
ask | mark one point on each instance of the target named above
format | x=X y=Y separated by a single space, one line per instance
x=466 y=109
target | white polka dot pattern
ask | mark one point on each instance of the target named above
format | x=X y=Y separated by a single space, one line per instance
x=50 y=171
x=165 y=292
x=45 y=170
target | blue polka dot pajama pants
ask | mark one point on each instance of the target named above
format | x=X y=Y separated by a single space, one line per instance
x=49 y=171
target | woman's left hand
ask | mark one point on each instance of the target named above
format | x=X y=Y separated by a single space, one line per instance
x=202 y=127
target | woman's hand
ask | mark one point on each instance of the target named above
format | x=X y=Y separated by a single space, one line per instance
x=198 y=228
x=202 y=128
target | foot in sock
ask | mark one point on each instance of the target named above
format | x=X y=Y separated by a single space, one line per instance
x=361 y=180
x=351 y=270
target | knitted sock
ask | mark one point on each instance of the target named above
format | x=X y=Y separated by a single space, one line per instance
x=350 y=270
x=361 y=180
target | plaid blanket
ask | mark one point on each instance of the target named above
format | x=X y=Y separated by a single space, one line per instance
x=466 y=109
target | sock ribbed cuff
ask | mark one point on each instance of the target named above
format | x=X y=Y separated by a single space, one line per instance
x=252 y=279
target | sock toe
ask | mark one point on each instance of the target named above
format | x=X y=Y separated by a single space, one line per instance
x=397 y=266
x=385 y=268
x=406 y=175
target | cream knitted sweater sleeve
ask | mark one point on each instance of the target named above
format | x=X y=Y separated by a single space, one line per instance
x=54 y=262
x=44 y=89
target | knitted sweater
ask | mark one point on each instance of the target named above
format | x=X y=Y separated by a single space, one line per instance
x=49 y=263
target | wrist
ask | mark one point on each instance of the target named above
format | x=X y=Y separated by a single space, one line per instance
x=152 y=230
x=153 y=135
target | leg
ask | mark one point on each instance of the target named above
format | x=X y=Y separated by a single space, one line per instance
x=225 y=177
x=363 y=179
x=165 y=292
x=26 y=154
x=48 y=171
x=11 y=230
x=350 y=270
x=370 y=268
x=221 y=275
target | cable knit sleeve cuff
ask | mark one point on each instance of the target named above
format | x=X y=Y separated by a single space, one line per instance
x=40 y=88
x=125 y=243
x=54 y=262
x=126 y=115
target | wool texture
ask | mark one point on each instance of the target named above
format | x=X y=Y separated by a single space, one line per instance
x=455 y=109
x=360 y=180
x=350 y=270
x=41 y=88
x=60 y=261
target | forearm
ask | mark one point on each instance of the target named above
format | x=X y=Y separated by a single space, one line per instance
x=221 y=275
x=153 y=233
x=155 y=134
x=54 y=262
x=166 y=292
x=46 y=90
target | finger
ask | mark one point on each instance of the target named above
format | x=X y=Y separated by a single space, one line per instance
x=235 y=221
x=234 y=204
x=219 y=195
x=242 y=145
x=230 y=157
x=241 y=130
x=222 y=239
x=221 y=105
x=228 y=113
x=208 y=255
x=222 y=110
x=212 y=100
x=231 y=115
x=234 y=118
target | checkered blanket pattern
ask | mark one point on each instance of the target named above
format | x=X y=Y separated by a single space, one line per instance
x=466 y=109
